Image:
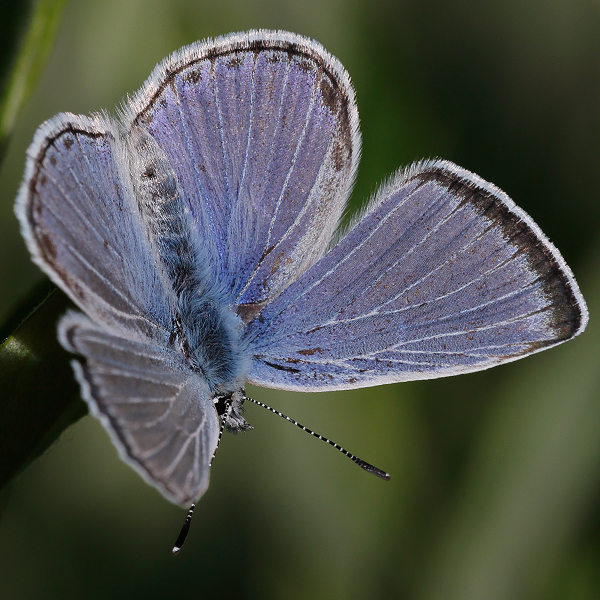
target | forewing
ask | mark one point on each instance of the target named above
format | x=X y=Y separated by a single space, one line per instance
x=83 y=227
x=157 y=411
x=442 y=275
x=261 y=130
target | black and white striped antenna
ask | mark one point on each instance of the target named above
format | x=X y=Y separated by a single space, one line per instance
x=188 y=519
x=361 y=463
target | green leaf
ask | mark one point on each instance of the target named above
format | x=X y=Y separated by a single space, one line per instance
x=28 y=33
x=40 y=397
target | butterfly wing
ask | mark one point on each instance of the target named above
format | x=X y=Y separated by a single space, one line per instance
x=158 y=412
x=83 y=228
x=261 y=130
x=442 y=275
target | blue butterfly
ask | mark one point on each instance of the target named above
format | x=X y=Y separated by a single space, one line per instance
x=199 y=234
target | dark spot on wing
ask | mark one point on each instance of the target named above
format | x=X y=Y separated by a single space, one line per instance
x=330 y=95
x=274 y=57
x=34 y=212
x=282 y=368
x=338 y=155
x=53 y=160
x=46 y=244
x=305 y=65
x=193 y=76
x=265 y=254
x=70 y=283
x=310 y=352
x=234 y=61
x=346 y=132
x=315 y=329
x=277 y=262
x=248 y=312
x=145 y=119
x=68 y=142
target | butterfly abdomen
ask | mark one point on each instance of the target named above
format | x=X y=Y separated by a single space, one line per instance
x=207 y=331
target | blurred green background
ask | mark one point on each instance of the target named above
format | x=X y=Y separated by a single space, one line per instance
x=495 y=490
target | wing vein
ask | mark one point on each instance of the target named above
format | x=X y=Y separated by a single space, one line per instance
x=77 y=211
x=226 y=174
x=348 y=256
x=289 y=174
x=267 y=170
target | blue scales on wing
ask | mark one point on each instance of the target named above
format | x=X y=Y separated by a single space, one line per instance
x=261 y=130
x=82 y=225
x=442 y=275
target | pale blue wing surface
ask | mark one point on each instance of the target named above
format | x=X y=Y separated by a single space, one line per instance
x=261 y=130
x=157 y=411
x=442 y=275
x=83 y=228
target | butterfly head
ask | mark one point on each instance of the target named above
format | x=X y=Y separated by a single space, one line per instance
x=229 y=407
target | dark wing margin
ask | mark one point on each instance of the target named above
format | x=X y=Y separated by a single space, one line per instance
x=261 y=129
x=442 y=274
x=82 y=226
x=158 y=413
